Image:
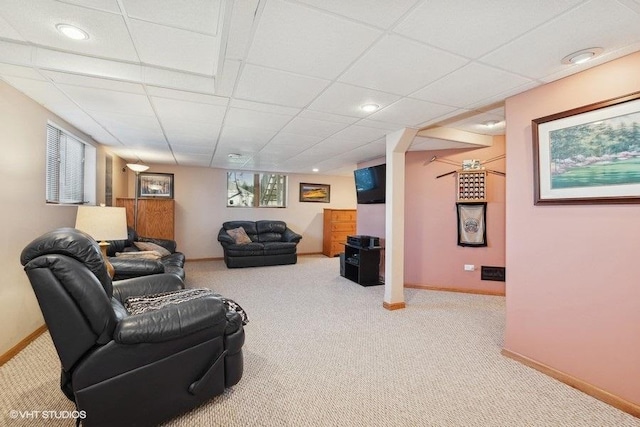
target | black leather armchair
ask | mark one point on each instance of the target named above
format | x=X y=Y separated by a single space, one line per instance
x=126 y=369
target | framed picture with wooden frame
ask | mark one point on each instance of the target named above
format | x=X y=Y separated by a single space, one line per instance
x=589 y=155
x=315 y=192
x=155 y=185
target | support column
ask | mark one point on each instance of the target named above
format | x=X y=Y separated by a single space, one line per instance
x=397 y=145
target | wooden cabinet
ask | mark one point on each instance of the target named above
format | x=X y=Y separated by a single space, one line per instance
x=156 y=217
x=338 y=224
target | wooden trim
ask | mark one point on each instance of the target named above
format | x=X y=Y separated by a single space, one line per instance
x=583 y=386
x=462 y=290
x=22 y=344
x=393 y=305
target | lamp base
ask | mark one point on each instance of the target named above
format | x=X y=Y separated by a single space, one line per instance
x=103 y=247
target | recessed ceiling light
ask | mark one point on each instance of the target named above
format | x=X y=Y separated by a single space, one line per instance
x=72 y=32
x=582 y=56
x=491 y=124
x=315 y=169
x=369 y=108
x=234 y=155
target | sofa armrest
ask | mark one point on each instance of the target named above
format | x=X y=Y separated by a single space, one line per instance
x=290 y=236
x=172 y=321
x=146 y=285
x=224 y=238
x=168 y=244
x=127 y=268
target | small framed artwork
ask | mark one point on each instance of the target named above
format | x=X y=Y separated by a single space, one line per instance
x=315 y=192
x=472 y=224
x=589 y=155
x=155 y=185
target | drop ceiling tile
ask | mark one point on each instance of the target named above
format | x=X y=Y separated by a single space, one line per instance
x=319 y=115
x=390 y=127
x=429 y=144
x=243 y=19
x=181 y=95
x=43 y=92
x=19 y=71
x=104 y=5
x=278 y=87
x=36 y=19
x=267 y=108
x=193 y=160
x=171 y=79
x=8 y=32
x=302 y=40
x=244 y=139
x=359 y=134
x=468 y=85
x=285 y=141
x=147 y=128
x=338 y=145
x=16 y=53
x=256 y=119
x=227 y=77
x=379 y=13
x=108 y=101
x=340 y=98
x=93 y=82
x=420 y=65
x=191 y=133
x=180 y=49
x=78 y=64
x=319 y=128
x=595 y=23
x=194 y=15
x=158 y=155
x=490 y=24
x=410 y=112
x=199 y=150
x=186 y=111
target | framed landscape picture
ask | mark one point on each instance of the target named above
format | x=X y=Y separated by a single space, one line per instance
x=589 y=155
x=315 y=192
x=155 y=185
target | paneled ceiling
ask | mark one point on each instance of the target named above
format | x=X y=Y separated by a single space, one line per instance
x=281 y=82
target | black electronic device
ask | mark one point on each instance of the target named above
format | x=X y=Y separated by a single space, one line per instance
x=363 y=241
x=370 y=184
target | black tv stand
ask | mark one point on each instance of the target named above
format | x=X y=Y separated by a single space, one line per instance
x=362 y=264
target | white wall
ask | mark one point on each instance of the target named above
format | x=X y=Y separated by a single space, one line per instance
x=24 y=212
x=201 y=208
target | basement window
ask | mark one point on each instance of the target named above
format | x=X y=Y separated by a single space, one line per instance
x=260 y=190
x=71 y=168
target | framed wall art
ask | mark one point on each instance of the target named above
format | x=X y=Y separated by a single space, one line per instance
x=589 y=155
x=155 y=185
x=315 y=192
x=472 y=224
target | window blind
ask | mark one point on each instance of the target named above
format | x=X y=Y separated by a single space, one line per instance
x=65 y=167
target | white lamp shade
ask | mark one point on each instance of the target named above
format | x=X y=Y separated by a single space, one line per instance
x=102 y=222
x=137 y=167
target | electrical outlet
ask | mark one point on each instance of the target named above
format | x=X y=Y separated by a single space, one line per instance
x=469 y=267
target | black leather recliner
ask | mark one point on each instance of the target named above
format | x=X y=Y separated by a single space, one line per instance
x=123 y=369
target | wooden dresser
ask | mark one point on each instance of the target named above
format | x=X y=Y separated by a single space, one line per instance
x=338 y=224
x=155 y=216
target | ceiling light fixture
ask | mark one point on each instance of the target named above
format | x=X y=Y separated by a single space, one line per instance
x=315 y=169
x=582 y=56
x=234 y=155
x=491 y=124
x=369 y=108
x=137 y=167
x=72 y=32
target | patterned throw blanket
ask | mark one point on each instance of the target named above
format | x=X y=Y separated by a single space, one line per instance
x=142 y=304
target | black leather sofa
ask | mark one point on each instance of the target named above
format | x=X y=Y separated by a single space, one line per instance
x=272 y=243
x=125 y=369
x=127 y=268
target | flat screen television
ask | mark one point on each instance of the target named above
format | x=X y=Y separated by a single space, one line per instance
x=371 y=184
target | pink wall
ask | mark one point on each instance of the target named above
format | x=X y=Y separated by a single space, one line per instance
x=432 y=255
x=572 y=286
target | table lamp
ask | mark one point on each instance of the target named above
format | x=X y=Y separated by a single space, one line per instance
x=103 y=223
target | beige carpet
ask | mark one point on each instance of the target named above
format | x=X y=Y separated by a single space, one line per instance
x=321 y=351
